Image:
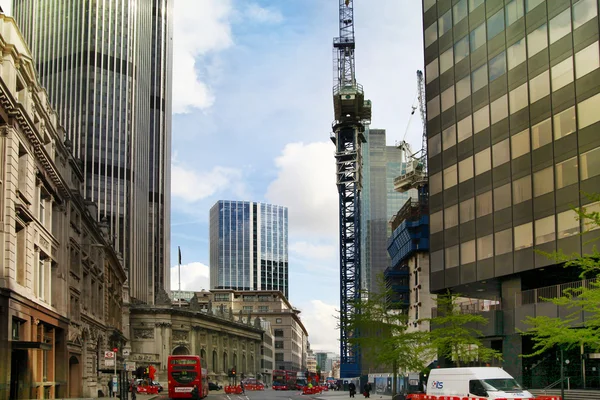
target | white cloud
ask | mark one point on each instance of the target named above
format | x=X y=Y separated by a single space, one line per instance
x=192 y=186
x=320 y=321
x=305 y=183
x=315 y=251
x=263 y=15
x=194 y=276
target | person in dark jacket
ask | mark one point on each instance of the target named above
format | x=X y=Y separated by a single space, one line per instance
x=133 y=390
x=352 y=388
x=195 y=393
x=367 y=390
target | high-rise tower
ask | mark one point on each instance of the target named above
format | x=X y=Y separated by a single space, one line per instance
x=107 y=68
x=249 y=246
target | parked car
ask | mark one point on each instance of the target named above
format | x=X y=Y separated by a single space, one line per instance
x=214 y=386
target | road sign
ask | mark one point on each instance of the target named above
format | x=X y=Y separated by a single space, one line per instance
x=126 y=352
x=130 y=366
x=109 y=354
x=109 y=362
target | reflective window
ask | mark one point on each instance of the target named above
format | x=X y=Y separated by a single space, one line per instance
x=539 y=87
x=451 y=257
x=477 y=37
x=450 y=178
x=431 y=71
x=434 y=145
x=445 y=22
x=467 y=210
x=567 y=173
x=531 y=4
x=463 y=88
x=544 y=230
x=479 y=78
x=451 y=216
x=522 y=189
x=568 y=223
x=523 y=236
x=435 y=183
x=437 y=261
x=590 y=163
x=514 y=11
x=433 y=108
x=483 y=161
x=589 y=225
x=473 y=4
x=537 y=40
x=497 y=66
x=460 y=11
x=461 y=49
x=448 y=98
x=448 y=137
x=503 y=242
x=436 y=222
x=560 y=25
x=519 y=144
x=541 y=134
x=562 y=74
x=430 y=34
x=516 y=54
x=502 y=197
x=483 y=204
x=485 y=247
x=564 y=123
x=587 y=111
x=495 y=24
x=518 y=98
x=587 y=60
x=543 y=181
x=499 y=109
x=501 y=153
x=427 y=4
x=481 y=119
x=446 y=60
x=464 y=129
x=465 y=169
x=583 y=11
x=467 y=252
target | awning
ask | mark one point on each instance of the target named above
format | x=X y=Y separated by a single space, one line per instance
x=23 y=345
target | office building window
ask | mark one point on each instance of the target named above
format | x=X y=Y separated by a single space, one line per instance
x=279 y=344
x=590 y=164
x=497 y=66
x=479 y=78
x=278 y=333
x=278 y=320
x=568 y=224
x=448 y=137
x=278 y=356
x=516 y=54
x=589 y=225
x=451 y=216
x=523 y=236
x=560 y=25
x=460 y=11
x=544 y=230
x=537 y=40
x=435 y=183
x=465 y=169
x=477 y=37
x=445 y=22
x=587 y=111
x=450 y=178
x=562 y=74
x=431 y=71
x=543 y=181
x=518 y=98
x=427 y=4
x=467 y=210
x=437 y=261
x=446 y=60
x=531 y=4
x=539 y=87
x=514 y=11
x=433 y=108
x=583 y=11
x=434 y=145
x=495 y=24
x=263 y=308
x=484 y=204
x=483 y=161
x=564 y=123
x=473 y=4
x=501 y=153
x=485 y=247
x=431 y=34
x=465 y=130
x=503 y=242
x=566 y=173
x=447 y=98
x=451 y=257
x=502 y=197
x=541 y=134
x=519 y=144
x=461 y=49
x=481 y=119
x=499 y=109
x=436 y=222
x=522 y=189
x=467 y=252
x=463 y=88
x=247 y=308
x=587 y=60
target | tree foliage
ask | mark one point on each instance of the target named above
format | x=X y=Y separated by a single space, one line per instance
x=583 y=297
x=455 y=334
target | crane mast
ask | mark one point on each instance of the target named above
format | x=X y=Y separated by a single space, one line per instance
x=352 y=112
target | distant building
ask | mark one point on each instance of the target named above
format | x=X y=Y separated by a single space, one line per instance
x=267 y=352
x=249 y=246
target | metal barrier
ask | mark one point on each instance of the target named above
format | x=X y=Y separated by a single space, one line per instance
x=431 y=397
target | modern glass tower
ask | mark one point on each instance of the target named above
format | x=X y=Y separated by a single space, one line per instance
x=248 y=246
x=513 y=96
x=107 y=68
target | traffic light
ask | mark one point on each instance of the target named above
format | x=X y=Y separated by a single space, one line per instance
x=233 y=371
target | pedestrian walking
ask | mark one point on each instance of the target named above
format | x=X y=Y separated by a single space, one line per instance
x=352 y=388
x=243 y=388
x=133 y=390
x=195 y=393
x=367 y=390
x=110 y=386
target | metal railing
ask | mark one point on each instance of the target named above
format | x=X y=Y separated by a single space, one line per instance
x=554 y=384
x=473 y=306
x=544 y=294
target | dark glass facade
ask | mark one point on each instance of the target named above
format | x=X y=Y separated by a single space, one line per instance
x=249 y=246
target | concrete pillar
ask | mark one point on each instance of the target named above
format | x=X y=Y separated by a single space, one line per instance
x=512 y=344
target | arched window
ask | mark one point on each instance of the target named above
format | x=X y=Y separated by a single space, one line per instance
x=251 y=369
x=225 y=366
x=244 y=363
x=180 y=351
x=235 y=364
x=203 y=355
x=214 y=362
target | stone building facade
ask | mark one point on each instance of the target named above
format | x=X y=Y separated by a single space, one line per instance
x=61 y=284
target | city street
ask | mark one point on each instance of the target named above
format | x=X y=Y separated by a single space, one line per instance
x=276 y=394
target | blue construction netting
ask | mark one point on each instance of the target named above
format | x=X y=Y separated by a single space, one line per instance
x=407 y=238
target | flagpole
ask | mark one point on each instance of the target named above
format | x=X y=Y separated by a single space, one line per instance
x=179 y=296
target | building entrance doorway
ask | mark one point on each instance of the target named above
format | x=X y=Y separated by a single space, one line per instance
x=18 y=374
x=74 y=377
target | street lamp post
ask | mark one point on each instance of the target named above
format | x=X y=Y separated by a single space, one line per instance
x=562 y=375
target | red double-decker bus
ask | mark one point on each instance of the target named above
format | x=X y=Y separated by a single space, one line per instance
x=183 y=373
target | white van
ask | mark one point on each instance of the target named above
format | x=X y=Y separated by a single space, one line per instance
x=485 y=382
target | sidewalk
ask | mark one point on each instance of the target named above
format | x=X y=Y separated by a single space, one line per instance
x=139 y=397
x=341 y=394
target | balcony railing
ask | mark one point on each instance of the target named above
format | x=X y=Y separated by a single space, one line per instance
x=473 y=306
x=544 y=294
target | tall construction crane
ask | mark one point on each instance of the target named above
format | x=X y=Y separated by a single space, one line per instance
x=352 y=113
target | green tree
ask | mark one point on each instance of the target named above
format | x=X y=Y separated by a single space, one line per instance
x=455 y=335
x=568 y=332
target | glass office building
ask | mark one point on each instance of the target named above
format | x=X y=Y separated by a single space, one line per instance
x=513 y=100
x=249 y=246
x=107 y=68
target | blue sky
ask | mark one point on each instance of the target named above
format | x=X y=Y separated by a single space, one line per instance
x=252 y=118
